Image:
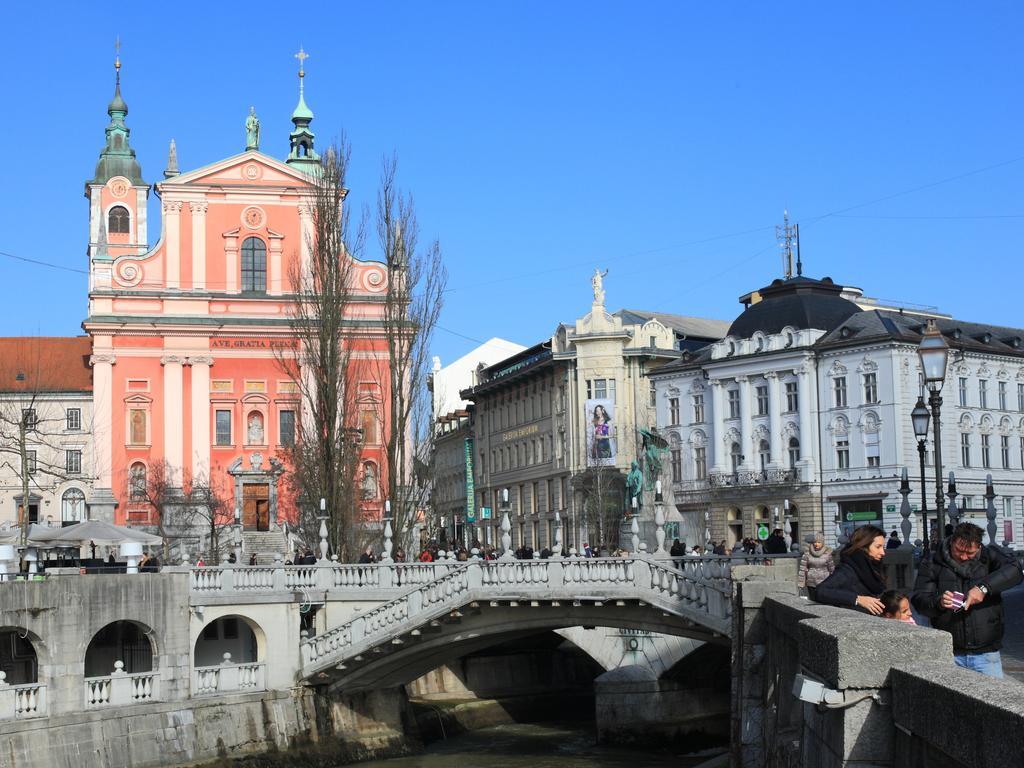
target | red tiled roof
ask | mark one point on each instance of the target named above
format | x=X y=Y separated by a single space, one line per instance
x=45 y=364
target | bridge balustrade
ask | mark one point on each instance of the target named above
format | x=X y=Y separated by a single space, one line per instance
x=700 y=588
x=228 y=580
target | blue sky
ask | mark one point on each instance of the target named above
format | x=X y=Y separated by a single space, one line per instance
x=544 y=139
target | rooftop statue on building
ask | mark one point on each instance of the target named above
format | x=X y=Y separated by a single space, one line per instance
x=252 y=130
x=597 y=281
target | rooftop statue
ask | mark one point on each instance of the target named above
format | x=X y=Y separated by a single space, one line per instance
x=597 y=282
x=252 y=130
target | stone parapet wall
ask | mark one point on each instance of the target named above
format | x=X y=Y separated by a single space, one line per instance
x=901 y=700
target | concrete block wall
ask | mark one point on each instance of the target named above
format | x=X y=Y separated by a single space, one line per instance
x=906 y=703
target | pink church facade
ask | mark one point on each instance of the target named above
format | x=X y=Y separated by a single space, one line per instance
x=188 y=335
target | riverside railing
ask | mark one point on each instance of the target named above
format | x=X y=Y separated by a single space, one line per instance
x=121 y=688
x=21 y=701
x=228 y=677
x=699 y=589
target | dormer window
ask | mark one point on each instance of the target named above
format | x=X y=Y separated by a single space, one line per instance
x=118 y=221
x=254 y=265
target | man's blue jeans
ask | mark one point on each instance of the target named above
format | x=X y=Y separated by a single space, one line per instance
x=987 y=663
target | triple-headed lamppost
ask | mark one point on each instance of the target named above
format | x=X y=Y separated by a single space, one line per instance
x=934 y=353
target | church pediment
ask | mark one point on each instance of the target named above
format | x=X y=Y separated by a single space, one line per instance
x=249 y=168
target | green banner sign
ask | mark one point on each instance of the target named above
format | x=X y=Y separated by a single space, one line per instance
x=855 y=516
x=762 y=532
x=470 y=484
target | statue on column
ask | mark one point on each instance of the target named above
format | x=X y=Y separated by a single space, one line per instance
x=597 y=282
x=252 y=130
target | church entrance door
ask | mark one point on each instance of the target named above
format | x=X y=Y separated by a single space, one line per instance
x=256 y=507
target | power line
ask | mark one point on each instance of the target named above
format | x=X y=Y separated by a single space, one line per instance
x=44 y=263
x=1008 y=216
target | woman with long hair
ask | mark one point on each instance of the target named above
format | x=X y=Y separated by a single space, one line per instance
x=601 y=447
x=858 y=582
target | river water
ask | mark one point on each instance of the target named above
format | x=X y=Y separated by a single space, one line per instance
x=534 y=745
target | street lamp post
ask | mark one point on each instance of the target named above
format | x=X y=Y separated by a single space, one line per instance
x=934 y=353
x=920 y=417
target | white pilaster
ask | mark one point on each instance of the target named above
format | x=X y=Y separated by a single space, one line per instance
x=172 y=221
x=102 y=408
x=231 y=269
x=806 y=401
x=746 y=428
x=173 y=417
x=201 y=416
x=141 y=219
x=775 y=419
x=198 y=245
x=306 y=232
x=275 y=277
x=717 y=426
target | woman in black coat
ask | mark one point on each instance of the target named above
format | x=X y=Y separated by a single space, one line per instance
x=858 y=582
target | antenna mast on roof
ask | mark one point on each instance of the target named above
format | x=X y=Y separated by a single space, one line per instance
x=786 y=234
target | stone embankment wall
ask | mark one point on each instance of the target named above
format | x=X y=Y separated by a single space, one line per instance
x=274 y=728
x=904 y=702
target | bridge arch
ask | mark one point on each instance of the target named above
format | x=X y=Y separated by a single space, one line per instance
x=238 y=635
x=479 y=625
x=22 y=655
x=127 y=641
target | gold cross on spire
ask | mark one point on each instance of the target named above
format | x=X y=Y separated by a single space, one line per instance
x=117 y=53
x=301 y=56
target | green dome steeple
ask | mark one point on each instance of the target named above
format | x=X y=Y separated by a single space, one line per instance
x=301 y=152
x=117 y=158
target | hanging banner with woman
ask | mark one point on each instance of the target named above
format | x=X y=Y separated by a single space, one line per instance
x=599 y=418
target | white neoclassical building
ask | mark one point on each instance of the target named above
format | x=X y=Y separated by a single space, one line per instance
x=46 y=387
x=805 y=407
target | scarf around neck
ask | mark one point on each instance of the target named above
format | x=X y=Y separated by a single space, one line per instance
x=869 y=572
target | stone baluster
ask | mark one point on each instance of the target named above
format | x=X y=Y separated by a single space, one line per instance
x=634 y=529
x=388 y=543
x=506 y=537
x=990 y=508
x=952 y=511
x=659 y=521
x=557 y=548
x=324 y=546
x=905 y=510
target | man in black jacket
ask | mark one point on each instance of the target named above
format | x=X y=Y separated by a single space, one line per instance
x=964 y=567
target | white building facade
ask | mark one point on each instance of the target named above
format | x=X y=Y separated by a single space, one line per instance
x=801 y=415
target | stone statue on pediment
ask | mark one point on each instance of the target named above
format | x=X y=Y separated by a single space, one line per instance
x=252 y=130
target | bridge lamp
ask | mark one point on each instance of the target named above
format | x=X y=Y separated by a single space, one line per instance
x=934 y=355
x=920 y=417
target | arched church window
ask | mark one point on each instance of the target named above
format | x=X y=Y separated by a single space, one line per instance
x=735 y=456
x=118 y=221
x=72 y=505
x=254 y=265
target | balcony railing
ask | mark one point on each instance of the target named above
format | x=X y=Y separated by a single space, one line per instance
x=228 y=677
x=120 y=688
x=21 y=701
x=748 y=478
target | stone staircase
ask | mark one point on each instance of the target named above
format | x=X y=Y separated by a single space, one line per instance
x=266 y=544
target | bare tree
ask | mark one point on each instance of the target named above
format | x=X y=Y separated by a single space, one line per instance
x=33 y=422
x=603 y=502
x=326 y=450
x=156 y=489
x=417 y=279
x=209 y=509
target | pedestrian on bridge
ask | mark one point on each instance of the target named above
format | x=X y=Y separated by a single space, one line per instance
x=960 y=589
x=816 y=565
x=858 y=582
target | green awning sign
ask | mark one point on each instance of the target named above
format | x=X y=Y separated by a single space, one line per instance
x=762 y=532
x=890 y=508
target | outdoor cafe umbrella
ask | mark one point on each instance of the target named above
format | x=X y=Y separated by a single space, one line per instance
x=89 y=532
x=36 y=533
